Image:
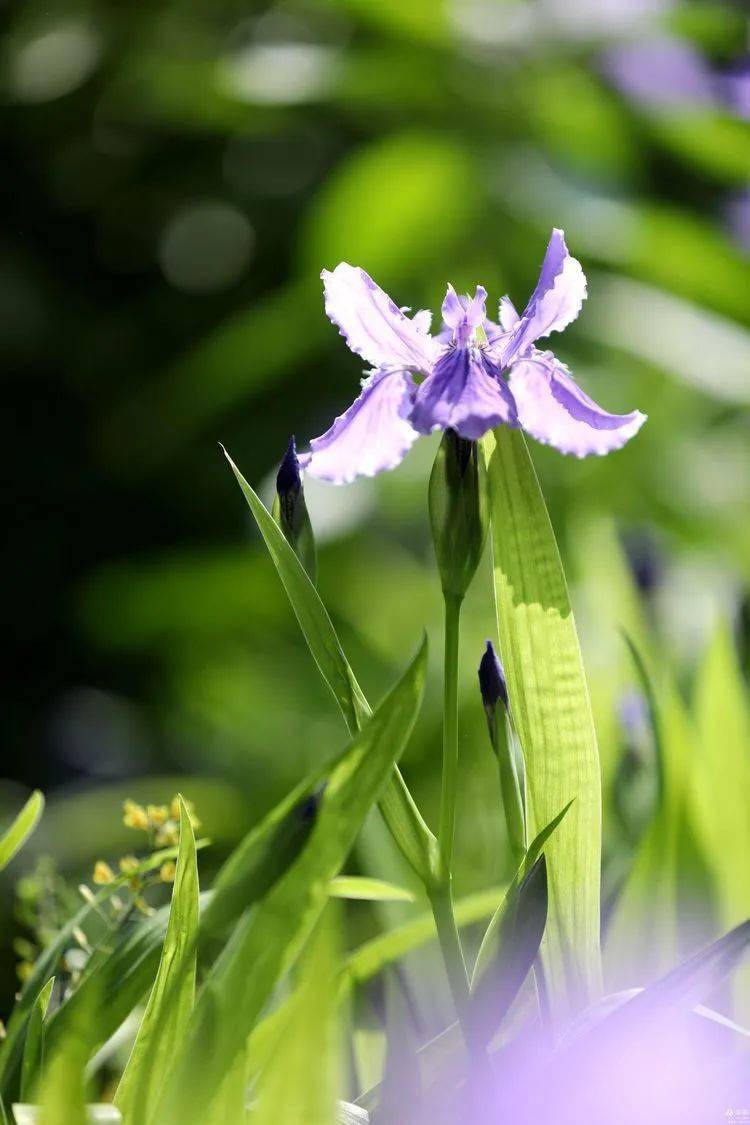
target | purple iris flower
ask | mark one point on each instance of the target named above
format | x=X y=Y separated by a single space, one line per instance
x=472 y=376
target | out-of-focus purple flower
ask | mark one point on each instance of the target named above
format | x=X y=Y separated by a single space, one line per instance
x=738 y=218
x=472 y=376
x=632 y=711
x=661 y=73
x=734 y=85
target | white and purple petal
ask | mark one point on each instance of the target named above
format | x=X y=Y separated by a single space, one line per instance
x=372 y=436
x=554 y=410
x=555 y=302
x=372 y=324
x=465 y=394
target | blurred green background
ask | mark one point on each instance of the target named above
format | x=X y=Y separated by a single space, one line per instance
x=175 y=176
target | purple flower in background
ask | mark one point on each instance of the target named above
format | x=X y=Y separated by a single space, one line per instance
x=472 y=376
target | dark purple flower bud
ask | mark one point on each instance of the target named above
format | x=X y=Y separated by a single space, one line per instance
x=288 y=479
x=290 y=511
x=492 y=680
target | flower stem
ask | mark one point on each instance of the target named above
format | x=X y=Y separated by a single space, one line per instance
x=450 y=945
x=441 y=897
x=447 y=827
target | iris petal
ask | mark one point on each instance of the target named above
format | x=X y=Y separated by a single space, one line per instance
x=556 y=300
x=372 y=325
x=372 y=436
x=465 y=394
x=554 y=409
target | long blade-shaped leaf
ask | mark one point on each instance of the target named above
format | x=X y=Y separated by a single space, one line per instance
x=33 y=1051
x=722 y=787
x=171 y=1000
x=550 y=704
x=11 y=1047
x=300 y=1081
x=401 y=814
x=266 y=942
x=21 y=828
x=518 y=938
x=533 y=852
x=655 y=920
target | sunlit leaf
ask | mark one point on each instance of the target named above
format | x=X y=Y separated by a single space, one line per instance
x=33 y=1050
x=16 y=836
x=516 y=942
x=399 y=810
x=300 y=1081
x=371 y=890
x=266 y=942
x=721 y=784
x=551 y=710
x=668 y=874
x=171 y=1000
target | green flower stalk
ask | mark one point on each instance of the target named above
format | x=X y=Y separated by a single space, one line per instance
x=290 y=511
x=458 y=515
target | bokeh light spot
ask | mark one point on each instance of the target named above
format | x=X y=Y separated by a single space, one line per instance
x=54 y=63
x=206 y=247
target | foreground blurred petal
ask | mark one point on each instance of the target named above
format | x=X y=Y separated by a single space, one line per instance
x=463 y=394
x=372 y=325
x=371 y=436
x=554 y=410
x=556 y=301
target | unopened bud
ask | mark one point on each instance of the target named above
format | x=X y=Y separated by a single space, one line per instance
x=492 y=683
x=494 y=691
x=458 y=512
x=290 y=511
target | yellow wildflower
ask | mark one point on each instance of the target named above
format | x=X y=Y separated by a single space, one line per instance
x=167 y=872
x=103 y=873
x=129 y=865
x=135 y=816
x=157 y=814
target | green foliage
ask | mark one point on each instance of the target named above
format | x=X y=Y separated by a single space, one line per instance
x=401 y=814
x=170 y=1003
x=518 y=937
x=22 y=827
x=33 y=1050
x=301 y=1080
x=551 y=711
x=270 y=938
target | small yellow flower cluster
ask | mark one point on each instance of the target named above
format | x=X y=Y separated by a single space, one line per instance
x=162 y=822
x=162 y=825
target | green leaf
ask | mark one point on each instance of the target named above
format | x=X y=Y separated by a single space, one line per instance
x=369 y=890
x=300 y=1080
x=21 y=828
x=721 y=784
x=265 y=853
x=654 y=921
x=677 y=992
x=517 y=942
x=551 y=710
x=171 y=1001
x=370 y=958
x=228 y=1103
x=533 y=852
x=63 y=1090
x=267 y=941
x=12 y=1046
x=376 y=954
x=402 y=816
x=33 y=1051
